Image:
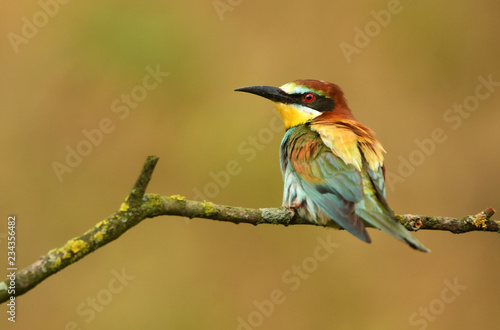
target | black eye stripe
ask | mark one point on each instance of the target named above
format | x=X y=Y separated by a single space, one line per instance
x=324 y=104
x=320 y=103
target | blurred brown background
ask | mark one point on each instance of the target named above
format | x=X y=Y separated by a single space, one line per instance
x=65 y=76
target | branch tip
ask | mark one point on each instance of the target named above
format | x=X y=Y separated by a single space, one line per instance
x=142 y=182
x=137 y=208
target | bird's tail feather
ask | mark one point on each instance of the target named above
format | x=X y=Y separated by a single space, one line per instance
x=390 y=225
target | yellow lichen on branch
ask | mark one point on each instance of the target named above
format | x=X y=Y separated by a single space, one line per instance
x=139 y=206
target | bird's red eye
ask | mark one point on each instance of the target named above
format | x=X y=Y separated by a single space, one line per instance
x=309 y=97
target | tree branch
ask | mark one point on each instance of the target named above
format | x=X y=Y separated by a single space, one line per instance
x=139 y=206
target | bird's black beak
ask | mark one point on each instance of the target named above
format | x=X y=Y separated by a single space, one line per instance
x=272 y=93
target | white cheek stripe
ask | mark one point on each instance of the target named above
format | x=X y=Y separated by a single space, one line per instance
x=307 y=110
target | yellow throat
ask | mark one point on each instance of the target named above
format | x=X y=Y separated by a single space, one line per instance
x=293 y=116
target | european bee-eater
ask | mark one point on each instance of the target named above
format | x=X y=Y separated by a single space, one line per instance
x=332 y=165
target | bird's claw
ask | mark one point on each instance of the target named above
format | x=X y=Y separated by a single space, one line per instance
x=293 y=208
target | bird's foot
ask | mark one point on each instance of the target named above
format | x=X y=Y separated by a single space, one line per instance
x=292 y=211
x=293 y=208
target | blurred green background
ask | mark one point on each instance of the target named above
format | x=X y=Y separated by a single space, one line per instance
x=67 y=74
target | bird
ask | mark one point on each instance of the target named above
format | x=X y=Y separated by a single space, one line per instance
x=332 y=165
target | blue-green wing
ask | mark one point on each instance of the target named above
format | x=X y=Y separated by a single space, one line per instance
x=315 y=175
